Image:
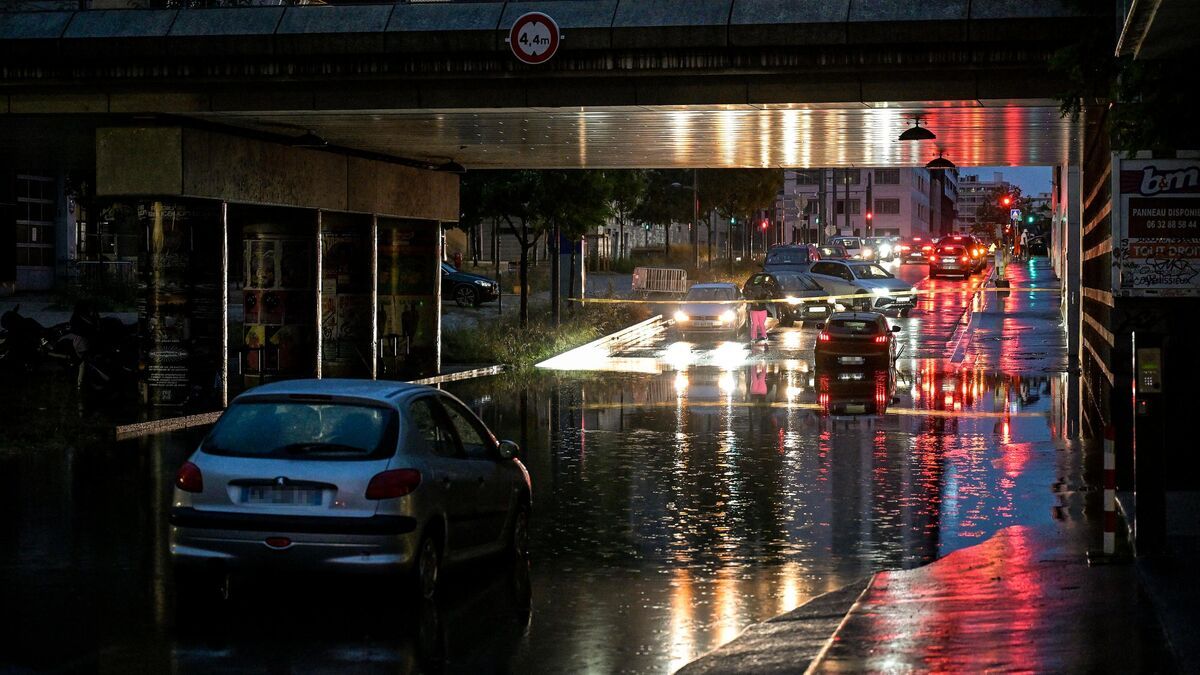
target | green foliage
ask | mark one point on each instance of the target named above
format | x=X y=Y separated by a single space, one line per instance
x=991 y=211
x=505 y=342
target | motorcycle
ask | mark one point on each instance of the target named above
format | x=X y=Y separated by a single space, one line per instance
x=103 y=351
x=23 y=341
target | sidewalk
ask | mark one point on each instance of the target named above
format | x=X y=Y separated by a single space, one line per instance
x=1022 y=332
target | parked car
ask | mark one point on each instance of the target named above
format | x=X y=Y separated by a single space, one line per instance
x=855 y=247
x=466 y=289
x=856 y=339
x=791 y=257
x=711 y=309
x=873 y=287
x=976 y=250
x=346 y=475
x=915 y=250
x=950 y=260
x=792 y=288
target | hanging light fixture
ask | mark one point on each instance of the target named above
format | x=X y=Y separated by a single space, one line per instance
x=940 y=163
x=917 y=133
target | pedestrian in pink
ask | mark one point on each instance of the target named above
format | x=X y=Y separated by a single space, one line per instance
x=758 y=314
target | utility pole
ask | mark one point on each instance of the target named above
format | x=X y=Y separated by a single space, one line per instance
x=696 y=217
x=822 y=208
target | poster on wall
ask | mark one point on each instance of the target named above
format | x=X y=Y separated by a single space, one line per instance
x=1157 y=228
x=408 y=311
x=179 y=303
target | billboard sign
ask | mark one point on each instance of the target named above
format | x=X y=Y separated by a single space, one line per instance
x=1156 y=224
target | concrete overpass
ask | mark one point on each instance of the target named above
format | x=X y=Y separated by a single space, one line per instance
x=636 y=83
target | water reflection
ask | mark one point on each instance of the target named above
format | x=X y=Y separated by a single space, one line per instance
x=671 y=510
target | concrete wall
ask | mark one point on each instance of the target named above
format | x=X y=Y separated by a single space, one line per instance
x=183 y=162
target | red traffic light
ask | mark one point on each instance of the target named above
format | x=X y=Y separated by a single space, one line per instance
x=1006 y=200
x=762 y=225
x=870 y=215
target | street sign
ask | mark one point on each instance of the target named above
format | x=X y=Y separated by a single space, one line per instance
x=830 y=230
x=534 y=38
x=1014 y=214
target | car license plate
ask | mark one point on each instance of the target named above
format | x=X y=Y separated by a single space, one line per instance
x=856 y=408
x=281 y=495
x=819 y=309
x=852 y=360
x=949 y=260
x=704 y=324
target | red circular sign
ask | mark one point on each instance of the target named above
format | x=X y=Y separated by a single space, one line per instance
x=533 y=38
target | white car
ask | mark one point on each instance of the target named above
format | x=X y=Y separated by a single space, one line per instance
x=872 y=288
x=711 y=309
x=855 y=247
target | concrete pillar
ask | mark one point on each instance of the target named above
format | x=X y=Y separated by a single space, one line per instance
x=1072 y=277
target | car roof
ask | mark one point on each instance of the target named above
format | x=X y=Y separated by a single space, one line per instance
x=716 y=284
x=381 y=391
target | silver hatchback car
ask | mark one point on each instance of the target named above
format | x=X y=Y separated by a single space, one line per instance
x=347 y=475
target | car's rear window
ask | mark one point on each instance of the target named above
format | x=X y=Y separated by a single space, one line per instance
x=953 y=250
x=853 y=242
x=853 y=327
x=710 y=293
x=797 y=282
x=795 y=256
x=303 y=430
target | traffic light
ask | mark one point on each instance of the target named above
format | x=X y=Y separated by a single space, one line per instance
x=1029 y=219
x=1006 y=200
x=870 y=216
x=762 y=225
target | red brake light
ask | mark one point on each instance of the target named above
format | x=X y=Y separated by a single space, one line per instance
x=393 y=483
x=965 y=259
x=824 y=337
x=189 y=478
x=880 y=339
x=926 y=248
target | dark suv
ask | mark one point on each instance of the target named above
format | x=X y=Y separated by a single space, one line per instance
x=468 y=290
x=791 y=258
x=794 y=289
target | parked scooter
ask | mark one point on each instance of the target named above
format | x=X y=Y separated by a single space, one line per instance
x=102 y=350
x=23 y=342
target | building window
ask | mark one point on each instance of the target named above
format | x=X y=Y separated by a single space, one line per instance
x=808 y=177
x=887 y=176
x=887 y=206
x=35 y=221
x=841 y=207
x=844 y=176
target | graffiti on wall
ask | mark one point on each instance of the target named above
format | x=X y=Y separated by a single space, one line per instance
x=1157 y=228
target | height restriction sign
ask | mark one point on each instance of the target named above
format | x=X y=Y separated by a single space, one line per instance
x=533 y=38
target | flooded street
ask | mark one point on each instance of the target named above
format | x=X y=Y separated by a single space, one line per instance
x=715 y=486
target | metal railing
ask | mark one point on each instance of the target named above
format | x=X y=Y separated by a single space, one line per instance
x=659 y=280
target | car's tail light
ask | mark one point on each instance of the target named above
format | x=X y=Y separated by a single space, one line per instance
x=926 y=248
x=189 y=478
x=824 y=337
x=880 y=339
x=393 y=483
x=965 y=258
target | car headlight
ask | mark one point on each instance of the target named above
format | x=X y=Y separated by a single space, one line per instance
x=681 y=317
x=866 y=250
x=481 y=282
x=880 y=291
x=793 y=300
x=885 y=250
x=728 y=316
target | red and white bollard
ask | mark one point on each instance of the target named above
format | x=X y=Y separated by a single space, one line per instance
x=1110 y=491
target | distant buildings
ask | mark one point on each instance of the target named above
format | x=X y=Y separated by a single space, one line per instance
x=973 y=191
x=898 y=202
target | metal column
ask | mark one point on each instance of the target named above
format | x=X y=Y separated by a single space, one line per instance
x=374 y=297
x=224 y=367
x=320 y=254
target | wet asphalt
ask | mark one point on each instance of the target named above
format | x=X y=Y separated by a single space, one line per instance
x=716 y=486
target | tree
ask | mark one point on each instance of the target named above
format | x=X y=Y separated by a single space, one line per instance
x=738 y=193
x=628 y=190
x=530 y=203
x=993 y=210
x=664 y=204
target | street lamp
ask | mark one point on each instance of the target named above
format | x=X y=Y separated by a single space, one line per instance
x=695 y=214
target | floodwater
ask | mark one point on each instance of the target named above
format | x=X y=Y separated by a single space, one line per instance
x=681 y=492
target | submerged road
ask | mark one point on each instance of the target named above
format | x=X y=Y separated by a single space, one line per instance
x=673 y=507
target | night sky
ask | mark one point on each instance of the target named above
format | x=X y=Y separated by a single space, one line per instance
x=1031 y=179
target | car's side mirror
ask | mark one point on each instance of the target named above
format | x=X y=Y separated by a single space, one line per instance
x=508 y=450
x=895 y=329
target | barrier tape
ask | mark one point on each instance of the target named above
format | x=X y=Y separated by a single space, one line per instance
x=912 y=412
x=807 y=300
